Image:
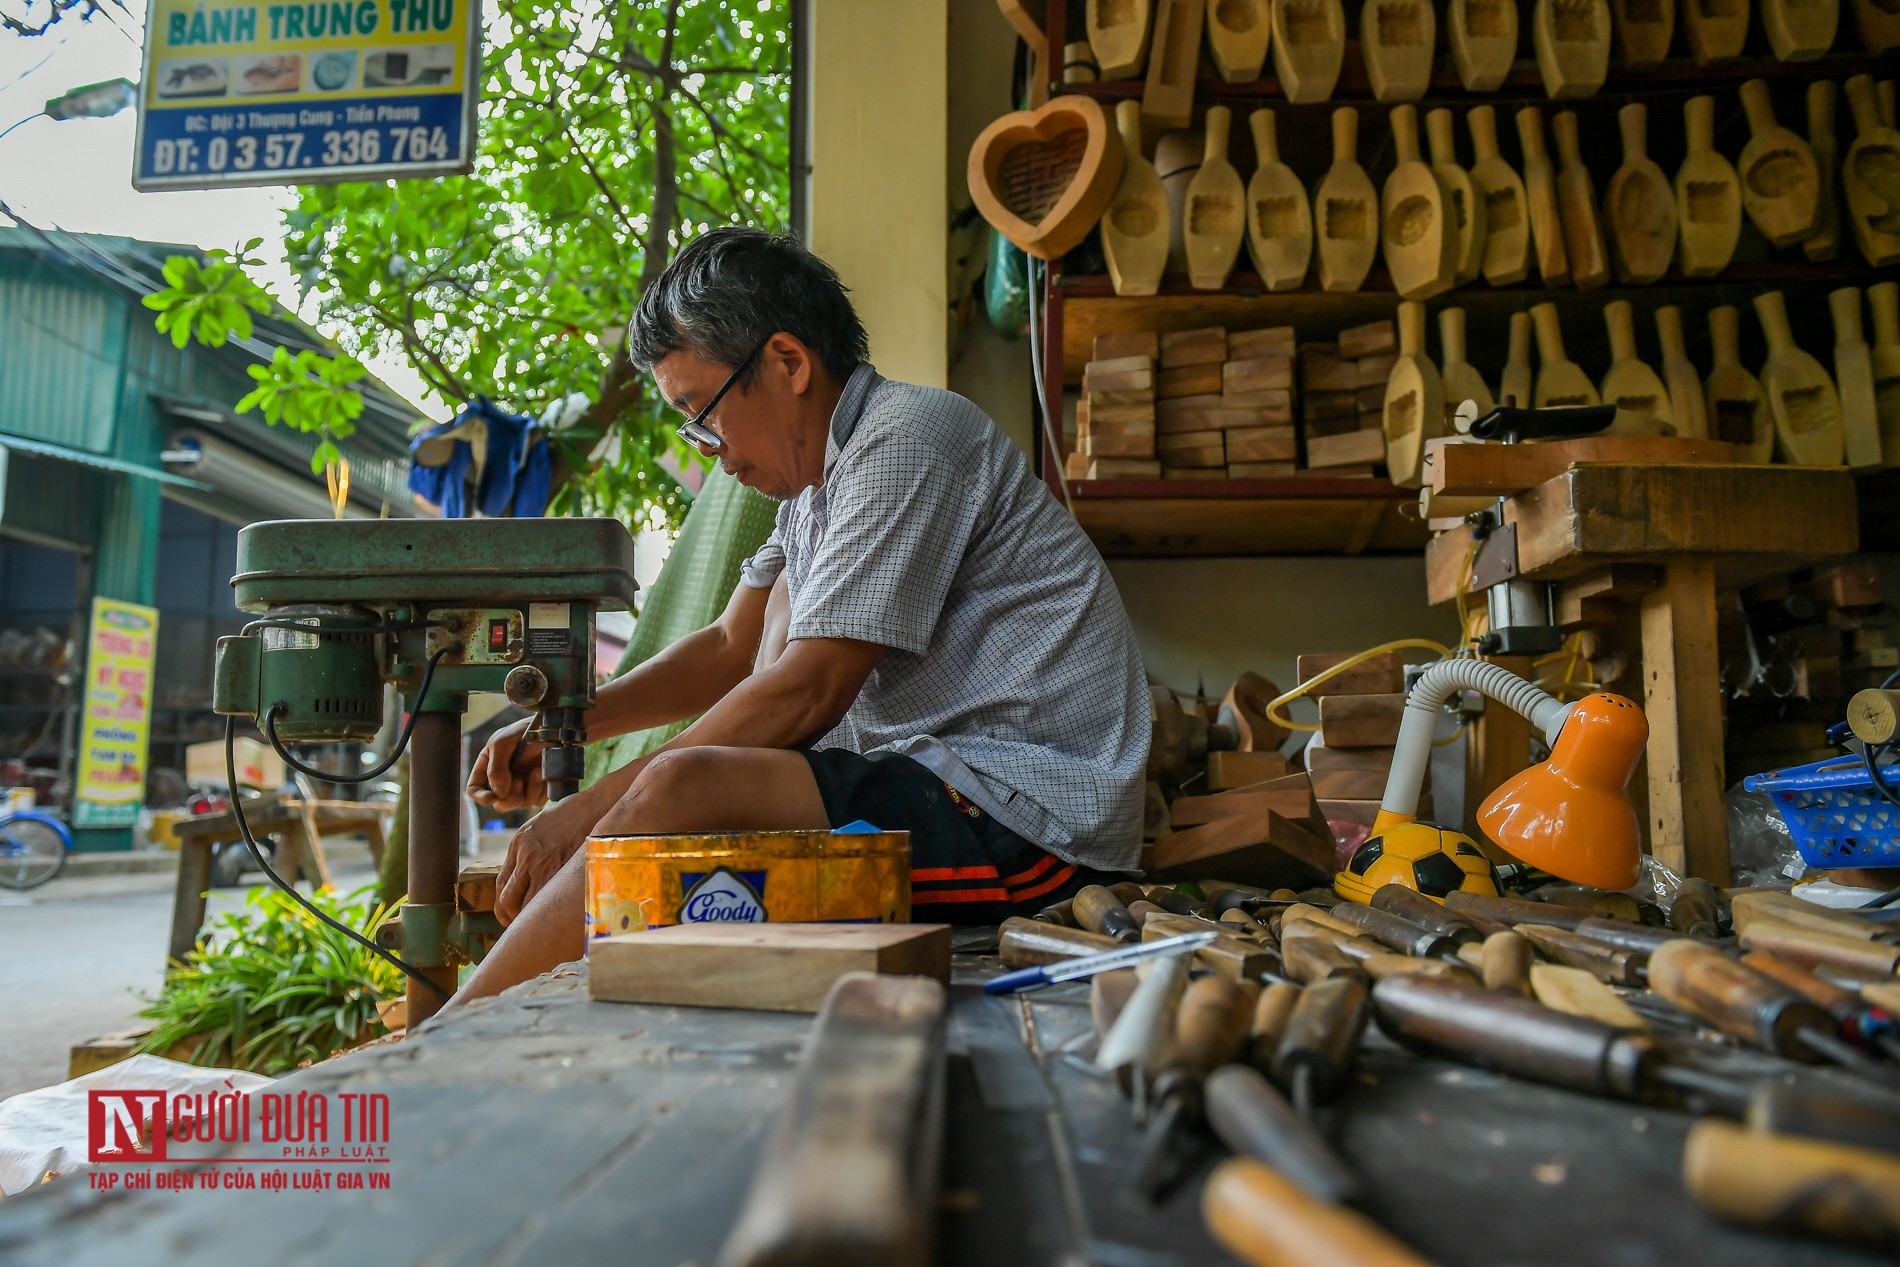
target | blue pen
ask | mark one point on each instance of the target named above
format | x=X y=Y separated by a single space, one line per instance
x=1087 y=966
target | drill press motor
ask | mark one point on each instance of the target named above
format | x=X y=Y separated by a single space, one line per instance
x=440 y=609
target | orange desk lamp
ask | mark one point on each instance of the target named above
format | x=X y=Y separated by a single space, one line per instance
x=1570 y=816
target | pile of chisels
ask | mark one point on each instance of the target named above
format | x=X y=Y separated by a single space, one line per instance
x=1771 y=1017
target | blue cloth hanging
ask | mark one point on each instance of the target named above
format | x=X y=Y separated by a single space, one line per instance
x=513 y=475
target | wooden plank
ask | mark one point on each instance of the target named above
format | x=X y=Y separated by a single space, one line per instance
x=1320 y=758
x=772 y=967
x=1682 y=696
x=1290 y=796
x=1462 y=468
x=1269 y=851
x=1228 y=770
x=475 y=886
x=1361 y=721
x=1239 y=518
x=1348 y=449
x=1114 y=344
x=849 y=1174
x=1204 y=346
x=1357 y=785
x=188 y=898
x=1381 y=675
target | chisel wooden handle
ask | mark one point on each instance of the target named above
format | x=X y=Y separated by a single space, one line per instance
x=1212 y=1024
x=1752 y=905
x=1264 y=1219
x=1814 y=949
x=1627 y=936
x=1255 y=1120
x=1415 y=906
x=1513 y=911
x=1304 y=913
x=1023 y=943
x=1358 y=949
x=1128 y=891
x=1514 y=1035
x=1322 y=1036
x=1734 y=998
x=1270 y=1015
x=1142 y=910
x=1841 y=1004
x=1100 y=911
x=1695 y=912
x=1605 y=963
x=1802 y=1185
x=1310 y=959
x=1062 y=913
x=1507 y=964
x=1394 y=931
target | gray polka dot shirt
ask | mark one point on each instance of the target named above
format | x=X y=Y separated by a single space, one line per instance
x=1013 y=673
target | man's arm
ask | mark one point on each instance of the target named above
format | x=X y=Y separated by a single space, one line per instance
x=684 y=679
x=798 y=698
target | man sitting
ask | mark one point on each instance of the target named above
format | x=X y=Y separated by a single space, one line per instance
x=927 y=641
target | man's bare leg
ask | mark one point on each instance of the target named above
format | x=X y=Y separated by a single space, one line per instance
x=685 y=790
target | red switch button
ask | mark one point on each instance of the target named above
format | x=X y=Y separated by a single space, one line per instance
x=497 y=635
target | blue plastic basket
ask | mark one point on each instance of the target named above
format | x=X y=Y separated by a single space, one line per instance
x=1833 y=812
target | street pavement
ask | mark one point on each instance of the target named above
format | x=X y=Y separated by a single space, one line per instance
x=76 y=954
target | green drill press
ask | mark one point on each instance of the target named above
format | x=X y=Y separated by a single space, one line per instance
x=440 y=608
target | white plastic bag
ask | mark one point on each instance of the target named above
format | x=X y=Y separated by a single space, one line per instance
x=46 y=1129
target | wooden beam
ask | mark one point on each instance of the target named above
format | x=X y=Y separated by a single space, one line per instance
x=1688 y=819
x=849 y=1174
x=1460 y=468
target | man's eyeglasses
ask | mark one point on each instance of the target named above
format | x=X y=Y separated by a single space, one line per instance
x=694 y=430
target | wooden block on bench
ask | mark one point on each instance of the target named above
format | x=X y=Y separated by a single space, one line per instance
x=1381 y=675
x=770 y=967
x=1361 y=721
x=1268 y=851
x=1228 y=770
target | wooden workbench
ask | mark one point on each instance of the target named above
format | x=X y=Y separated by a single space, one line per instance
x=543 y=1127
x=1662 y=540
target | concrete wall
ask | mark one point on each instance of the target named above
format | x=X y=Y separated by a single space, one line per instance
x=878 y=205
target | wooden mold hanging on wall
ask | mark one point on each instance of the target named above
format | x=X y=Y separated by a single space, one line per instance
x=1878 y=24
x=1687 y=406
x=1167 y=99
x=1577 y=199
x=1136 y=227
x=1118 y=31
x=1507 y=224
x=1639 y=207
x=1397 y=37
x=1870 y=177
x=1216 y=222
x=1345 y=211
x=1572 y=39
x=1483 y=39
x=1417 y=237
x=1540 y=200
x=1043 y=177
x=1466 y=205
x=1643 y=30
x=1825 y=242
x=1708 y=197
x=1738 y=408
x=1781 y=182
x=1715 y=30
x=1638 y=392
x=1516 y=384
x=1461 y=379
x=1800 y=30
x=1883 y=300
x=1279 y=219
x=1801 y=397
x=1414 y=400
x=1560 y=381
x=1238 y=32
x=1854 y=381
x=1309 y=46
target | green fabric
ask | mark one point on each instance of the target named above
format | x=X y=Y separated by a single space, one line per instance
x=726 y=524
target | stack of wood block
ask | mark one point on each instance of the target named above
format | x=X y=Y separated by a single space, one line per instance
x=1226 y=404
x=1359 y=714
x=1115 y=418
x=1188 y=418
x=1343 y=399
x=1815 y=642
x=1271 y=834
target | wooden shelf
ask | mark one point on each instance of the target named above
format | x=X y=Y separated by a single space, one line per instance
x=1305 y=515
x=1091 y=306
x=1523 y=84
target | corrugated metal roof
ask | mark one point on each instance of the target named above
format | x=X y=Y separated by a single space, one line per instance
x=59 y=452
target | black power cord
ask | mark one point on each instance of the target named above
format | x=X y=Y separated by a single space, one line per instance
x=257 y=855
x=395 y=751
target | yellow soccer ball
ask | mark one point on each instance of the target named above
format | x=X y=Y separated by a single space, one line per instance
x=1424 y=856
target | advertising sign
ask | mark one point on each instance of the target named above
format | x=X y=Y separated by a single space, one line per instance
x=115 y=721
x=266 y=93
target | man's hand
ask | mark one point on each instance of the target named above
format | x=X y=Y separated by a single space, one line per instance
x=507 y=772
x=539 y=850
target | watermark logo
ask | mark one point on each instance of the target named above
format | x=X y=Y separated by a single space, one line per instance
x=723 y=896
x=125 y=1126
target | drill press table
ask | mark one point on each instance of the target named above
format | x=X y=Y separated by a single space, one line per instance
x=544 y=1127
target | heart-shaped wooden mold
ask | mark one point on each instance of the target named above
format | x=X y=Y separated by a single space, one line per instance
x=1043 y=177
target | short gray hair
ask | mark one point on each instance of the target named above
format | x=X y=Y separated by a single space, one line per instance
x=730 y=289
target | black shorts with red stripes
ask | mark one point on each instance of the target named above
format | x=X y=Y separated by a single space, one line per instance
x=965 y=867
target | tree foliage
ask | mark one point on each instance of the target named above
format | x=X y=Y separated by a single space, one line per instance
x=609 y=134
